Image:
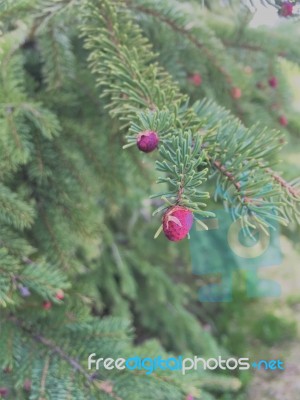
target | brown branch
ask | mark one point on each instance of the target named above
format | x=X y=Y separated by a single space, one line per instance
x=245 y=46
x=44 y=378
x=228 y=174
x=250 y=47
x=283 y=183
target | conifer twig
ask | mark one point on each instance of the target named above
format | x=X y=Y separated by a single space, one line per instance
x=283 y=183
x=44 y=378
x=228 y=174
x=53 y=347
x=193 y=39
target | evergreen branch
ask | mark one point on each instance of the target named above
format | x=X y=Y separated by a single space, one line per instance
x=88 y=151
x=14 y=131
x=239 y=150
x=164 y=96
x=16 y=39
x=276 y=42
x=37 y=276
x=57 y=54
x=55 y=349
x=159 y=15
x=196 y=144
x=45 y=121
x=45 y=10
x=71 y=167
x=42 y=278
x=44 y=377
x=283 y=183
x=245 y=46
x=14 y=211
x=15 y=245
x=185 y=172
x=239 y=162
x=53 y=238
x=248 y=46
x=137 y=83
x=228 y=174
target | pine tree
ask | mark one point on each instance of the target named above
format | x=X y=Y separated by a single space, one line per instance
x=80 y=270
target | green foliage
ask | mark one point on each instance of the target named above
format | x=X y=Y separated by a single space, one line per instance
x=245 y=168
x=272 y=329
x=293 y=300
x=182 y=160
x=80 y=80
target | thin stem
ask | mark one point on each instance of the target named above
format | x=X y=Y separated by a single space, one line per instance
x=283 y=183
x=228 y=174
x=53 y=347
x=44 y=378
x=251 y=47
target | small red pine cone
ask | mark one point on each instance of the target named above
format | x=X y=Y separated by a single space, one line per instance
x=3 y=391
x=189 y=397
x=27 y=385
x=196 y=79
x=283 y=120
x=47 y=305
x=147 y=141
x=273 y=82
x=236 y=93
x=177 y=222
x=286 y=9
x=60 y=294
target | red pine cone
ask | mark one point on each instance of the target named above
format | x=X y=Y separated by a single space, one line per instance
x=47 y=305
x=286 y=9
x=177 y=222
x=147 y=141
x=27 y=385
x=283 y=120
x=273 y=82
x=236 y=93
x=60 y=294
x=3 y=391
x=189 y=397
x=196 y=79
